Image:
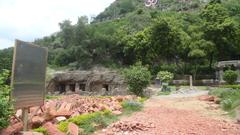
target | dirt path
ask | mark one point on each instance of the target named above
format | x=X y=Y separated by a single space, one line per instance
x=182 y=116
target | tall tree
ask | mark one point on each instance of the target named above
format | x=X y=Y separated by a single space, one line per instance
x=220 y=29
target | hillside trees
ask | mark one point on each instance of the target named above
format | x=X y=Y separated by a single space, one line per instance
x=221 y=30
x=179 y=42
x=6 y=56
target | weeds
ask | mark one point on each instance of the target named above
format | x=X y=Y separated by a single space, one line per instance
x=52 y=97
x=230 y=98
x=164 y=93
x=41 y=130
x=131 y=106
x=90 y=122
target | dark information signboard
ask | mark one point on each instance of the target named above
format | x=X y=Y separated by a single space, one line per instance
x=28 y=75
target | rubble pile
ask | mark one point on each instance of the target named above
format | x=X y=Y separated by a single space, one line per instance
x=57 y=110
x=75 y=105
x=209 y=98
x=128 y=127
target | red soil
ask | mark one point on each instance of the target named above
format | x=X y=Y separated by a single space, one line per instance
x=175 y=121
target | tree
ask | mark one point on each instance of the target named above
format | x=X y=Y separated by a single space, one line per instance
x=141 y=45
x=221 y=30
x=166 y=37
x=138 y=78
x=6 y=107
x=6 y=56
x=66 y=33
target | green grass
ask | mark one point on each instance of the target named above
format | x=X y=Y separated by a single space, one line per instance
x=230 y=99
x=41 y=130
x=98 y=120
x=90 y=122
x=164 y=93
x=131 y=106
x=142 y=99
x=53 y=97
x=231 y=86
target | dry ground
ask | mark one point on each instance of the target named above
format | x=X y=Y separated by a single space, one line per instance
x=173 y=115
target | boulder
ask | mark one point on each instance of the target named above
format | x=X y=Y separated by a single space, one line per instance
x=217 y=100
x=37 y=121
x=73 y=129
x=59 y=119
x=116 y=112
x=12 y=129
x=31 y=133
x=19 y=113
x=52 y=129
x=207 y=98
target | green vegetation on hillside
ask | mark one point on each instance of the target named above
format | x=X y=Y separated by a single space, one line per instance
x=179 y=37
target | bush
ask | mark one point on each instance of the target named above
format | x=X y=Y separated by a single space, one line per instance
x=230 y=76
x=165 y=76
x=6 y=107
x=138 y=78
x=132 y=105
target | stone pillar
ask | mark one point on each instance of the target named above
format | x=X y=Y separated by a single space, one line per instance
x=238 y=72
x=67 y=87
x=77 y=87
x=221 y=75
x=191 y=82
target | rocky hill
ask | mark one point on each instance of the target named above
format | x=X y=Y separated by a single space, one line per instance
x=122 y=8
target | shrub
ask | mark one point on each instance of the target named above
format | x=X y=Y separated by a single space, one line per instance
x=6 y=107
x=138 y=78
x=132 y=106
x=230 y=76
x=165 y=76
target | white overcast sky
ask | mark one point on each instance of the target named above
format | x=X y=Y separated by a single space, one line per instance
x=31 y=19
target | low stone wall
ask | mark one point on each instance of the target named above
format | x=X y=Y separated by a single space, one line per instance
x=196 y=82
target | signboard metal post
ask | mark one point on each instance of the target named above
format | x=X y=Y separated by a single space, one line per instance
x=28 y=77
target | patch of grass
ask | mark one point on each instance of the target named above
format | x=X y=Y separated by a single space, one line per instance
x=172 y=87
x=202 y=87
x=164 y=93
x=217 y=91
x=230 y=98
x=131 y=106
x=231 y=86
x=142 y=99
x=53 y=97
x=41 y=130
x=90 y=122
x=102 y=97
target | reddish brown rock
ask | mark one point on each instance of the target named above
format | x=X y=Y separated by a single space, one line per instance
x=116 y=112
x=31 y=133
x=52 y=129
x=37 y=121
x=73 y=129
x=12 y=129
x=207 y=98
x=59 y=119
x=19 y=113
x=217 y=100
